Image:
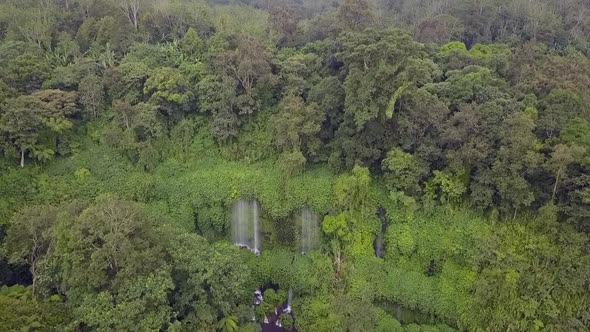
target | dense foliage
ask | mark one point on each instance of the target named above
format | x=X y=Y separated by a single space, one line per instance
x=129 y=128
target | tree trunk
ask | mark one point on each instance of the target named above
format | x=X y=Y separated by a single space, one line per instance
x=338 y=265
x=131 y=10
x=556 y=182
x=22 y=158
x=135 y=18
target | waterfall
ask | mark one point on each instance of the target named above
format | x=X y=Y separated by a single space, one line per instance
x=258 y=297
x=310 y=231
x=379 y=246
x=246 y=225
x=256 y=222
x=288 y=309
x=238 y=223
x=380 y=241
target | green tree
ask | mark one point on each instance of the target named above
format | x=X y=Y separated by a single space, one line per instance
x=337 y=228
x=439 y=29
x=92 y=94
x=217 y=97
x=22 y=312
x=30 y=239
x=192 y=45
x=299 y=72
x=137 y=305
x=526 y=281
x=137 y=128
x=292 y=163
x=296 y=126
x=249 y=65
x=66 y=50
x=352 y=192
x=132 y=10
x=106 y=244
x=284 y=17
x=420 y=122
x=26 y=72
x=209 y=280
x=5 y=92
x=562 y=156
x=228 y=324
x=34 y=24
x=379 y=65
x=127 y=81
x=112 y=266
x=170 y=91
x=558 y=108
x=356 y=15
x=576 y=137
x=517 y=159
x=448 y=188
x=60 y=105
x=404 y=171
x=577 y=132
x=22 y=121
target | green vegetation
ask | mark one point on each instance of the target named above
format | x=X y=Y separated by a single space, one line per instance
x=129 y=128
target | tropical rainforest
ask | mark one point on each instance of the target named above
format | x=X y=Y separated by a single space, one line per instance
x=440 y=148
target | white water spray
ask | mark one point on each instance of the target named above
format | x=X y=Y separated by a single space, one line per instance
x=246 y=225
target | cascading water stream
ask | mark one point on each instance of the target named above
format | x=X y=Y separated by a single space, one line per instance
x=380 y=240
x=256 y=222
x=246 y=225
x=287 y=310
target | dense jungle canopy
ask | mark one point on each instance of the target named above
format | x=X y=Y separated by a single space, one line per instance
x=430 y=159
